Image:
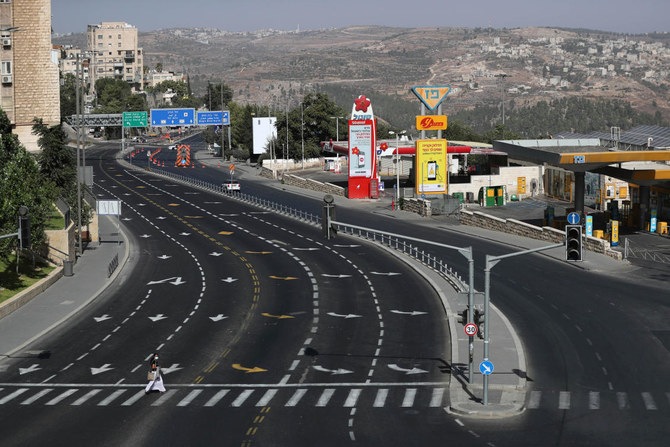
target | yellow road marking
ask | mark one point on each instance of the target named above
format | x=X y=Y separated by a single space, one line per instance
x=226 y=233
x=255 y=369
x=285 y=278
x=279 y=317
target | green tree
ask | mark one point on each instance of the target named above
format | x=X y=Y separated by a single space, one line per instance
x=213 y=95
x=55 y=159
x=68 y=101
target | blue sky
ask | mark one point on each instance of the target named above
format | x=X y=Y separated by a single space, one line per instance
x=638 y=16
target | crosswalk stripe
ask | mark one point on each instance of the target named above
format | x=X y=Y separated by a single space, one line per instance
x=137 y=396
x=11 y=396
x=408 y=401
x=109 y=399
x=188 y=399
x=380 y=399
x=164 y=397
x=325 y=397
x=564 y=400
x=267 y=397
x=622 y=401
x=32 y=399
x=594 y=400
x=86 y=397
x=293 y=401
x=534 y=401
x=62 y=396
x=649 y=401
x=241 y=398
x=438 y=395
x=216 y=398
x=352 y=398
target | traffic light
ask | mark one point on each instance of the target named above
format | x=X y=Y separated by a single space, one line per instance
x=24 y=228
x=573 y=242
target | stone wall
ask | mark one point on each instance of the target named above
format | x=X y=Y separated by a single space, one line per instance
x=61 y=244
x=418 y=206
x=549 y=234
x=313 y=185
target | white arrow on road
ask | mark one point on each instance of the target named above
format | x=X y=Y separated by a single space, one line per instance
x=173 y=368
x=306 y=249
x=161 y=218
x=229 y=280
x=164 y=257
x=126 y=194
x=412 y=313
x=384 y=273
x=218 y=317
x=177 y=281
x=333 y=314
x=215 y=253
x=335 y=276
x=126 y=219
x=31 y=368
x=347 y=246
x=102 y=369
x=145 y=236
x=332 y=372
x=395 y=367
x=184 y=234
x=101 y=318
x=158 y=317
x=141 y=204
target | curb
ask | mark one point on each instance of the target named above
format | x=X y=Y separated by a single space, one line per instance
x=26 y=295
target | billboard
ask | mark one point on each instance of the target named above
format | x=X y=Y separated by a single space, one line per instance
x=361 y=148
x=172 y=117
x=431 y=166
x=264 y=130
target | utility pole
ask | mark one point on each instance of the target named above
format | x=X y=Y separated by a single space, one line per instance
x=502 y=77
x=222 y=146
x=79 y=123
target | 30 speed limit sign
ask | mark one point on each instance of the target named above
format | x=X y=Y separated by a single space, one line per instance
x=470 y=329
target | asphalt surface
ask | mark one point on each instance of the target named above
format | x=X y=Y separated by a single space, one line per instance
x=583 y=331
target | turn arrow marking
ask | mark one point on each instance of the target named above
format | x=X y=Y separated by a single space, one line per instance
x=164 y=257
x=279 y=317
x=412 y=313
x=158 y=317
x=101 y=318
x=215 y=253
x=255 y=369
x=145 y=236
x=218 y=317
x=385 y=274
x=395 y=367
x=285 y=278
x=335 y=276
x=306 y=249
x=177 y=281
x=161 y=218
x=333 y=372
x=173 y=368
x=184 y=234
x=31 y=368
x=229 y=280
x=333 y=314
x=102 y=369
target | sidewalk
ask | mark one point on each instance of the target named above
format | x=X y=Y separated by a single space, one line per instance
x=68 y=295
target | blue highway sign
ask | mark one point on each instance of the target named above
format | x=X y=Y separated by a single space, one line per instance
x=172 y=117
x=213 y=118
x=486 y=367
x=573 y=218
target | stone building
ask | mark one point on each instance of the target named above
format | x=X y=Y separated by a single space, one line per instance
x=29 y=83
x=114 y=53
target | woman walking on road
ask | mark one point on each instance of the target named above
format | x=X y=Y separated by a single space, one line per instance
x=154 y=376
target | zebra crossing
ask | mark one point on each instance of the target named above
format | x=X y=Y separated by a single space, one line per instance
x=596 y=400
x=319 y=397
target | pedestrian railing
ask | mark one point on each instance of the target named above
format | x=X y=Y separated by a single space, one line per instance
x=641 y=253
x=114 y=263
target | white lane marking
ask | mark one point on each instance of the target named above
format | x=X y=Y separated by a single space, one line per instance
x=649 y=403
x=133 y=399
x=594 y=400
x=380 y=399
x=11 y=396
x=293 y=401
x=408 y=401
x=216 y=398
x=62 y=396
x=86 y=397
x=622 y=401
x=564 y=400
x=36 y=396
x=164 y=397
x=285 y=379
x=352 y=398
x=111 y=398
x=294 y=365
x=325 y=397
x=241 y=398
x=189 y=398
x=534 y=401
x=269 y=394
x=438 y=395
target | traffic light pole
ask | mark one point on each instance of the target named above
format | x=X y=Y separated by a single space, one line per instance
x=491 y=261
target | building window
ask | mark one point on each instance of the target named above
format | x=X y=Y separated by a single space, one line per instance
x=100 y=36
x=6 y=67
x=119 y=45
x=100 y=45
x=119 y=36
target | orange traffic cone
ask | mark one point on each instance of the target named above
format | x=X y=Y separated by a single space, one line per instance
x=203 y=165
x=163 y=164
x=218 y=165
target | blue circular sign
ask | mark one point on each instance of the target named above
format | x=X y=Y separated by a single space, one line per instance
x=486 y=367
x=573 y=218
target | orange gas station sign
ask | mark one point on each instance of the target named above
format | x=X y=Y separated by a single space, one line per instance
x=431 y=122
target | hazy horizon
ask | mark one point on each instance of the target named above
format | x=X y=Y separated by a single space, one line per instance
x=647 y=16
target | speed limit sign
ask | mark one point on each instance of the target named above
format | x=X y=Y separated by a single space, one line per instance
x=470 y=329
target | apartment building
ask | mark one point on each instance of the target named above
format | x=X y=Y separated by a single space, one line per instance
x=29 y=84
x=114 y=53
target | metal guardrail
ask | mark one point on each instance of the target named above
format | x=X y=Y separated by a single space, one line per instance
x=641 y=253
x=393 y=242
x=113 y=265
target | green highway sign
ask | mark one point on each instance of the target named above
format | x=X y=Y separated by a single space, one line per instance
x=135 y=119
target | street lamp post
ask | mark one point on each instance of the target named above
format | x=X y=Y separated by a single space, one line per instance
x=302 y=134
x=397 y=164
x=337 y=125
x=502 y=77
